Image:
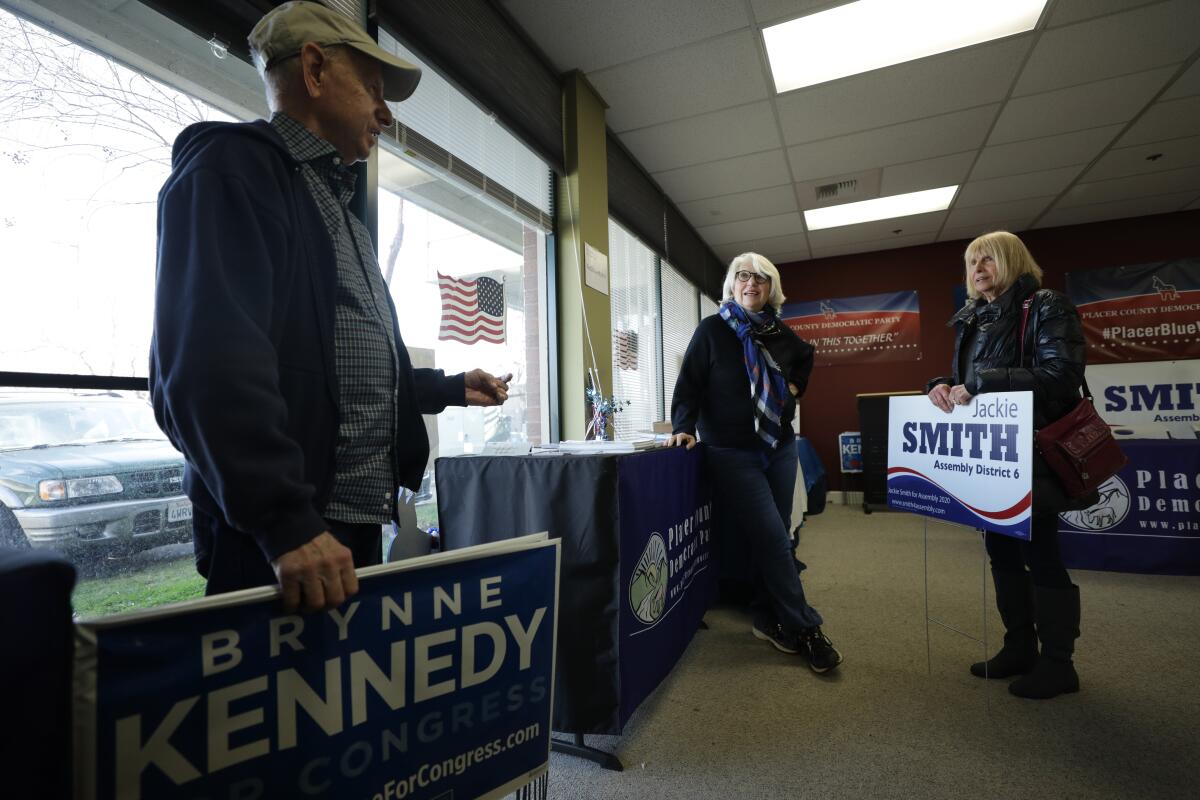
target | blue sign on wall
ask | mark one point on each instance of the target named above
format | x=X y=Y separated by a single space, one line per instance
x=435 y=680
x=850 y=450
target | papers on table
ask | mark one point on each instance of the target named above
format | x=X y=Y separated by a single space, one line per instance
x=603 y=446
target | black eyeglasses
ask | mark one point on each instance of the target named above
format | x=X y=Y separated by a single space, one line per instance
x=744 y=276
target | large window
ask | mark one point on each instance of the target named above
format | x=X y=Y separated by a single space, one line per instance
x=463 y=215
x=633 y=282
x=85 y=145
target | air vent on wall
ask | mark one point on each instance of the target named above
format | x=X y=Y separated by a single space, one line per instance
x=833 y=191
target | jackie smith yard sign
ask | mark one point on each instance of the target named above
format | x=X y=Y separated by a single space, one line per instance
x=972 y=466
x=434 y=681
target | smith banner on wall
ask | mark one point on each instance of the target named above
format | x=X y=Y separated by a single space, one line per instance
x=434 y=681
x=972 y=466
x=860 y=330
x=1145 y=312
x=1152 y=399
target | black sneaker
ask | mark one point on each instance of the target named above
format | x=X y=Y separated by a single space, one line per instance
x=815 y=646
x=782 y=641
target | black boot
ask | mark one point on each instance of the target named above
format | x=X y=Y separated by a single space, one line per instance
x=1014 y=599
x=1058 y=628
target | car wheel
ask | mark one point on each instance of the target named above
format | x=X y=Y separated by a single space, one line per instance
x=11 y=535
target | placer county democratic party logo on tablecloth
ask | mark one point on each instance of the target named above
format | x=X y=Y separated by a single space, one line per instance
x=1108 y=512
x=1143 y=312
x=648 y=589
x=972 y=466
x=859 y=330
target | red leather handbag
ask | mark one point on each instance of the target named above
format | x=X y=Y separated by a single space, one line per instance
x=1079 y=447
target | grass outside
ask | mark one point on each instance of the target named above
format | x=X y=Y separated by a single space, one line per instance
x=155 y=585
x=427 y=516
x=167 y=582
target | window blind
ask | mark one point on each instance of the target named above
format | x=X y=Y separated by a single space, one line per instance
x=443 y=129
x=680 y=314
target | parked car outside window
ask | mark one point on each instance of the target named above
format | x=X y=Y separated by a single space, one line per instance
x=88 y=474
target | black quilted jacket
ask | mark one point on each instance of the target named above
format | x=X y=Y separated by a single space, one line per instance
x=1054 y=349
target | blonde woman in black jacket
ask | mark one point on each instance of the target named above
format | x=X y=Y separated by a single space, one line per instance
x=1034 y=593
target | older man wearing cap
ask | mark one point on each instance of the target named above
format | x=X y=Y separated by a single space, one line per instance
x=277 y=365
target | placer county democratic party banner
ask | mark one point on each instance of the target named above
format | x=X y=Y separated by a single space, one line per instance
x=434 y=681
x=1152 y=399
x=860 y=330
x=668 y=578
x=972 y=466
x=1144 y=312
x=1148 y=515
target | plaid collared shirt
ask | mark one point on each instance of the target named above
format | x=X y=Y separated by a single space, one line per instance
x=364 y=344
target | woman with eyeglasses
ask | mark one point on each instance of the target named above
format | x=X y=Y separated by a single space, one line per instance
x=737 y=386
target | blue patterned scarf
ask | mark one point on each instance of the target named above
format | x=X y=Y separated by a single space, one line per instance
x=768 y=387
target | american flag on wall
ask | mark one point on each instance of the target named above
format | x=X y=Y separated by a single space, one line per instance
x=472 y=310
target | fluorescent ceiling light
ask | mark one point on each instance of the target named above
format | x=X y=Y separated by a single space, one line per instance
x=898 y=205
x=871 y=34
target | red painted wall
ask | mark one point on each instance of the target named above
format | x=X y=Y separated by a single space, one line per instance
x=829 y=406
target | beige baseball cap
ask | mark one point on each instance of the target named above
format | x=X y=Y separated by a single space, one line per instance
x=286 y=29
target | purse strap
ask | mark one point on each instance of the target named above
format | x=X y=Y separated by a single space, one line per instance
x=1021 y=362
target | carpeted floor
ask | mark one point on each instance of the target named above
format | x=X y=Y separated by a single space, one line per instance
x=736 y=719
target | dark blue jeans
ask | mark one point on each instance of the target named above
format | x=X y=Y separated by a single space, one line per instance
x=752 y=497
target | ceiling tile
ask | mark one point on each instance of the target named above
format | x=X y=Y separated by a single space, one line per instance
x=766 y=11
x=721 y=134
x=1068 y=11
x=784 y=256
x=1015 y=187
x=1118 y=44
x=770 y=246
x=1186 y=85
x=1088 y=106
x=1124 y=161
x=877 y=231
x=1119 y=209
x=972 y=231
x=962 y=79
x=931 y=173
x=743 y=205
x=752 y=229
x=591 y=36
x=1031 y=155
x=871 y=246
x=896 y=144
x=739 y=174
x=663 y=87
x=1013 y=210
x=1162 y=121
x=1131 y=186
